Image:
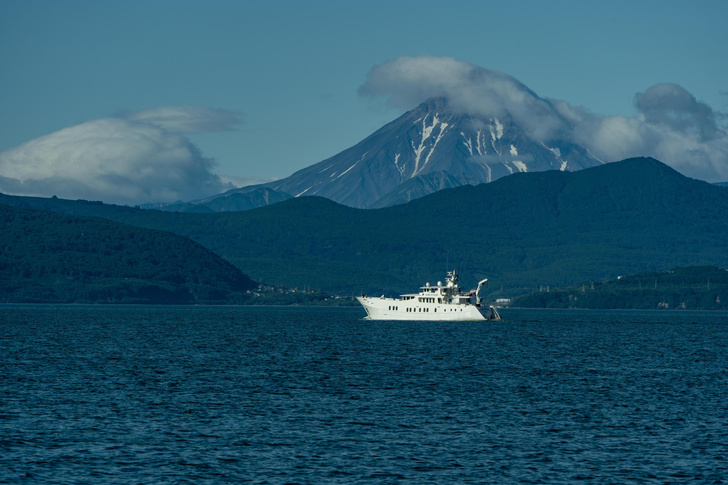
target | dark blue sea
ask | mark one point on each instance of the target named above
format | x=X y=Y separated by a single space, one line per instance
x=136 y=394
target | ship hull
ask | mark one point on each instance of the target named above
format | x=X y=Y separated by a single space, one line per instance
x=397 y=309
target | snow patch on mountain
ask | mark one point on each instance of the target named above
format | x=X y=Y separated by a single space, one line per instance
x=479 y=143
x=443 y=127
x=355 y=164
x=301 y=193
x=396 y=164
x=498 y=134
x=426 y=133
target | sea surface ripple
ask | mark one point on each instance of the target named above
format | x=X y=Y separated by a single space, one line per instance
x=267 y=395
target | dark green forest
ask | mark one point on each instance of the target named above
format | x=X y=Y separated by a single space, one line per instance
x=523 y=232
x=691 y=288
x=46 y=257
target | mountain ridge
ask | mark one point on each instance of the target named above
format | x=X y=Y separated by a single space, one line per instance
x=522 y=231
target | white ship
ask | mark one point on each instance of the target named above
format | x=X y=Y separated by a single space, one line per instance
x=442 y=302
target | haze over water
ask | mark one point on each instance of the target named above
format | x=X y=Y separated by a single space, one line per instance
x=130 y=394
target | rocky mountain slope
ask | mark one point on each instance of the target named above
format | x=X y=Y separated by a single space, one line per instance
x=425 y=150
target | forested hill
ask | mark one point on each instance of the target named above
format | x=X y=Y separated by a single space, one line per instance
x=47 y=257
x=522 y=231
x=692 y=288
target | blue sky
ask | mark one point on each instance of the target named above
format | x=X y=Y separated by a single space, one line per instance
x=285 y=75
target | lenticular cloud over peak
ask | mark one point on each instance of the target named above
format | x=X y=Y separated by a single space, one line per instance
x=672 y=125
x=136 y=158
x=408 y=81
x=186 y=119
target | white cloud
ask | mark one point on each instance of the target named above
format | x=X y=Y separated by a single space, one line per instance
x=142 y=157
x=672 y=125
x=408 y=81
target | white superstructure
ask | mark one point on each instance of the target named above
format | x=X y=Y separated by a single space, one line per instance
x=441 y=302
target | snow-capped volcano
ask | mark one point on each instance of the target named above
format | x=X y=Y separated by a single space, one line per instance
x=427 y=149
